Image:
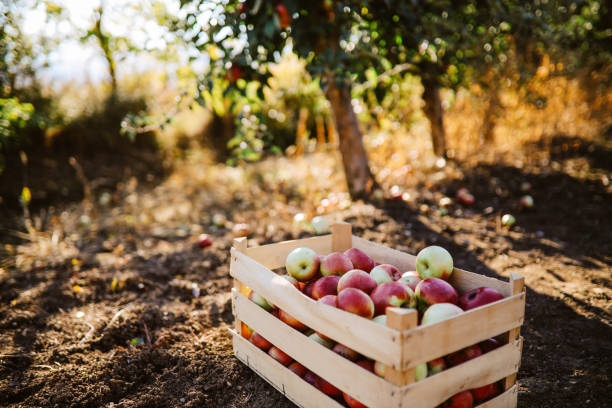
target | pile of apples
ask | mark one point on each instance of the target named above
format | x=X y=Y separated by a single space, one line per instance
x=354 y=282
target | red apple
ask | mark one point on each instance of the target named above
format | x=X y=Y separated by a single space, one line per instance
x=260 y=301
x=360 y=259
x=392 y=294
x=245 y=331
x=302 y=264
x=433 y=290
x=357 y=279
x=352 y=402
x=440 y=311
x=259 y=341
x=336 y=263
x=325 y=342
x=462 y=400
x=346 y=352
x=434 y=262
x=465 y=197
x=488 y=345
x=435 y=366
x=479 y=297
x=308 y=288
x=486 y=392
x=204 y=240
x=327 y=285
x=298 y=369
x=411 y=278
x=329 y=300
x=291 y=321
x=366 y=365
x=310 y=378
x=280 y=356
x=463 y=355
x=327 y=388
x=356 y=301
x=292 y=281
x=526 y=201
x=385 y=273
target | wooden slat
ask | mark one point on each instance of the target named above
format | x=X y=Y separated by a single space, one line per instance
x=366 y=337
x=483 y=370
x=516 y=285
x=401 y=319
x=240 y=244
x=382 y=254
x=508 y=399
x=341 y=237
x=435 y=340
x=342 y=373
x=273 y=256
x=284 y=380
x=465 y=281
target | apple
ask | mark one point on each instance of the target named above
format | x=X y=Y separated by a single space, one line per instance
x=463 y=355
x=292 y=281
x=345 y=352
x=465 y=197
x=488 y=345
x=204 y=240
x=357 y=279
x=324 y=342
x=366 y=365
x=335 y=263
x=385 y=273
x=379 y=369
x=352 y=402
x=327 y=285
x=356 y=301
x=310 y=378
x=308 y=288
x=440 y=311
x=259 y=341
x=462 y=400
x=479 y=297
x=380 y=319
x=327 y=388
x=291 y=321
x=260 y=301
x=434 y=290
x=392 y=294
x=435 y=366
x=329 y=300
x=245 y=331
x=526 y=201
x=298 y=369
x=280 y=356
x=508 y=220
x=525 y=186
x=411 y=278
x=320 y=225
x=486 y=392
x=302 y=264
x=420 y=372
x=434 y=262
x=360 y=259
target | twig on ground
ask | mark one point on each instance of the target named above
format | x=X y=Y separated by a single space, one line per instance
x=146 y=329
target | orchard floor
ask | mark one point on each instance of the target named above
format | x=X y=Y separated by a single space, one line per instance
x=99 y=308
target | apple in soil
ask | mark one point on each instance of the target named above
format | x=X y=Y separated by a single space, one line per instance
x=479 y=297
x=411 y=278
x=327 y=285
x=356 y=301
x=526 y=201
x=302 y=264
x=357 y=279
x=392 y=294
x=335 y=263
x=462 y=400
x=385 y=273
x=434 y=262
x=204 y=240
x=433 y=290
x=320 y=225
x=440 y=311
x=280 y=356
x=360 y=259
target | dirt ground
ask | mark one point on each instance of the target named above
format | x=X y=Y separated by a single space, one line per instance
x=116 y=305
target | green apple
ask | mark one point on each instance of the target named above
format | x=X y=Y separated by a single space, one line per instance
x=434 y=262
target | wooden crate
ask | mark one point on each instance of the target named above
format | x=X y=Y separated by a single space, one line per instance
x=401 y=345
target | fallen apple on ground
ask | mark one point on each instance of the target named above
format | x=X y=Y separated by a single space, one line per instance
x=385 y=273
x=434 y=290
x=508 y=220
x=320 y=225
x=302 y=264
x=434 y=262
x=392 y=294
x=479 y=297
x=204 y=240
x=280 y=356
x=335 y=263
x=360 y=259
x=357 y=279
x=356 y=301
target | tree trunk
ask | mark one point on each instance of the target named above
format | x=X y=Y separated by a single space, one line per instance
x=320 y=126
x=490 y=117
x=359 y=178
x=435 y=114
x=300 y=135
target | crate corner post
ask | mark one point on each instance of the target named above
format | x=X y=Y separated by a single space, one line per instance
x=342 y=236
x=517 y=286
x=400 y=319
x=239 y=244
